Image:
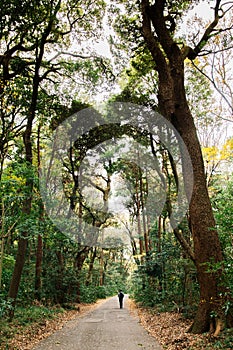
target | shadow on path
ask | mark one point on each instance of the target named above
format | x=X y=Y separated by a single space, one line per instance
x=105 y=328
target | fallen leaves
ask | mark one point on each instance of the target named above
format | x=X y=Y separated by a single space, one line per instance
x=170 y=329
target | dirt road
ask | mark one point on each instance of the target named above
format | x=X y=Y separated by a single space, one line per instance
x=105 y=328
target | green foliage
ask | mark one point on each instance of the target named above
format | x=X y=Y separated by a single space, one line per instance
x=166 y=279
x=5 y=306
x=139 y=81
x=222 y=202
x=8 y=265
x=59 y=279
x=116 y=278
x=24 y=317
x=90 y=294
x=222 y=342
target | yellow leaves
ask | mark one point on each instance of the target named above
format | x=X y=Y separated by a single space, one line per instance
x=202 y=301
x=17 y=181
x=214 y=154
x=20 y=180
x=210 y=153
x=227 y=149
x=9 y=109
x=139 y=256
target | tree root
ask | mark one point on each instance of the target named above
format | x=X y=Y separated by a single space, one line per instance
x=216 y=327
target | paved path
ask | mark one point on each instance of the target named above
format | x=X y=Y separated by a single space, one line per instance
x=105 y=328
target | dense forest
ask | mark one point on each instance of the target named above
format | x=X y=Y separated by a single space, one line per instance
x=116 y=156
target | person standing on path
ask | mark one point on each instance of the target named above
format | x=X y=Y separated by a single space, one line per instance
x=121 y=297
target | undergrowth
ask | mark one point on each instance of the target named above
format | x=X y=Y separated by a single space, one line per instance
x=24 y=318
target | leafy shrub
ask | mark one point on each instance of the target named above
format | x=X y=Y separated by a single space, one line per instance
x=5 y=306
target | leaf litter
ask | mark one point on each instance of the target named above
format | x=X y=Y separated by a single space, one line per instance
x=171 y=330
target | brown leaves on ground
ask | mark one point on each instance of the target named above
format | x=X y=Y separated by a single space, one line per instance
x=169 y=328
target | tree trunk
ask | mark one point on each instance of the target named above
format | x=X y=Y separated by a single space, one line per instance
x=174 y=107
x=39 y=257
x=18 y=269
x=101 y=272
x=23 y=240
x=39 y=250
x=78 y=264
x=145 y=230
x=91 y=265
x=26 y=209
x=138 y=205
x=207 y=249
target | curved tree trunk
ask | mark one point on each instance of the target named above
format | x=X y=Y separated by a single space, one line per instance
x=173 y=106
x=207 y=249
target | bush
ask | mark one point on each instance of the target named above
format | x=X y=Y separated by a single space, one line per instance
x=5 y=306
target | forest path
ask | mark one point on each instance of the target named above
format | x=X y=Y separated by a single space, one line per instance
x=107 y=327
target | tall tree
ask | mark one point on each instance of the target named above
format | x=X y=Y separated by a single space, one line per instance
x=159 y=20
x=30 y=31
x=39 y=47
x=158 y=23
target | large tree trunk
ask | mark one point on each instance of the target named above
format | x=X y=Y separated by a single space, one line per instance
x=174 y=107
x=207 y=249
x=78 y=265
x=23 y=240
x=91 y=265
x=26 y=209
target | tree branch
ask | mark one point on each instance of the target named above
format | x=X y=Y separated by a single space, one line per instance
x=184 y=244
x=215 y=86
x=193 y=53
x=70 y=54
